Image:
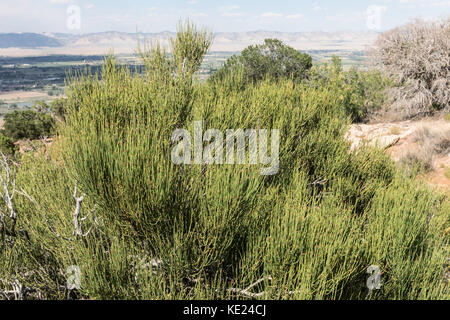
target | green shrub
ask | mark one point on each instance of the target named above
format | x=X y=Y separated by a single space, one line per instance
x=167 y=231
x=57 y=106
x=28 y=124
x=217 y=225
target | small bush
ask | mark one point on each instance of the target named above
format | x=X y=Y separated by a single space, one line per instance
x=41 y=106
x=7 y=145
x=395 y=130
x=363 y=93
x=58 y=108
x=447 y=117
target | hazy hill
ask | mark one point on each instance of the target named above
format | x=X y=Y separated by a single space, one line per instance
x=27 y=40
x=98 y=43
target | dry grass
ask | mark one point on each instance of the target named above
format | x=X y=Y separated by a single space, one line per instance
x=420 y=157
x=435 y=141
x=395 y=130
x=430 y=144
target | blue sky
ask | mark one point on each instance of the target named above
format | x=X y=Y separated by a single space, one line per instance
x=220 y=16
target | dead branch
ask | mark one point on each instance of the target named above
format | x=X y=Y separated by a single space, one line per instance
x=17 y=291
x=246 y=292
x=319 y=182
x=7 y=192
x=77 y=220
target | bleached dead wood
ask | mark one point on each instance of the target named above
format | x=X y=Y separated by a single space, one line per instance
x=7 y=192
x=77 y=220
x=417 y=56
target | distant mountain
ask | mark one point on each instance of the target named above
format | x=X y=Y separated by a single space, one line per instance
x=232 y=39
x=27 y=40
x=121 y=42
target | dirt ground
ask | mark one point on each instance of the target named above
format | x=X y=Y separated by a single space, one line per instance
x=20 y=95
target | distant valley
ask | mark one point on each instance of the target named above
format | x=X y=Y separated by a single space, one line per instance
x=34 y=44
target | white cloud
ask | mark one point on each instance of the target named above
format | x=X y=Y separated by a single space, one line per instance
x=271 y=15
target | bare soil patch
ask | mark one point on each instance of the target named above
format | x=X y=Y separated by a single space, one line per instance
x=20 y=95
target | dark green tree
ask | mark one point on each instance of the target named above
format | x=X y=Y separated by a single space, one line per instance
x=28 y=124
x=273 y=59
